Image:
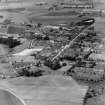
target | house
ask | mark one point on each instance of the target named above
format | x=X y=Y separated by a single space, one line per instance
x=77 y=3
x=15 y=29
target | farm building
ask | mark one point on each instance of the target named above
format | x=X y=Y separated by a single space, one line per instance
x=77 y=3
x=15 y=29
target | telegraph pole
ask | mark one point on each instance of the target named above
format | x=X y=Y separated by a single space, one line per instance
x=92 y=3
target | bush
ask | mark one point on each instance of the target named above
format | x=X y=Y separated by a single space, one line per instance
x=28 y=73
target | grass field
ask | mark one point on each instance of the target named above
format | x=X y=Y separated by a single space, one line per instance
x=47 y=90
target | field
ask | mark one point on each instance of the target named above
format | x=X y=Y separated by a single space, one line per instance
x=46 y=90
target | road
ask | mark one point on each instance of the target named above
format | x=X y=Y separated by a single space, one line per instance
x=8 y=98
x=71 y=42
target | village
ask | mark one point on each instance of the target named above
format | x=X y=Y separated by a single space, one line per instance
x=60 y=39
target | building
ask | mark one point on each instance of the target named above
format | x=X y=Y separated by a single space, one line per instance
x=77 y=3
x=15 y=29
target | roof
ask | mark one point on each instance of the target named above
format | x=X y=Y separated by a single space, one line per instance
x=27 y=52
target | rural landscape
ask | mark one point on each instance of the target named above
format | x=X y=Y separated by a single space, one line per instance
x=52 y=52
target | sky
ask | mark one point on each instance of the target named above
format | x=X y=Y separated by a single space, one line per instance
x=99 y=0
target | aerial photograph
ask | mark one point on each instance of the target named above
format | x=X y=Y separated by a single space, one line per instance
x=52 y=52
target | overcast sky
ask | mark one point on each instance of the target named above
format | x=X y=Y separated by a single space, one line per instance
x=99 y=0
